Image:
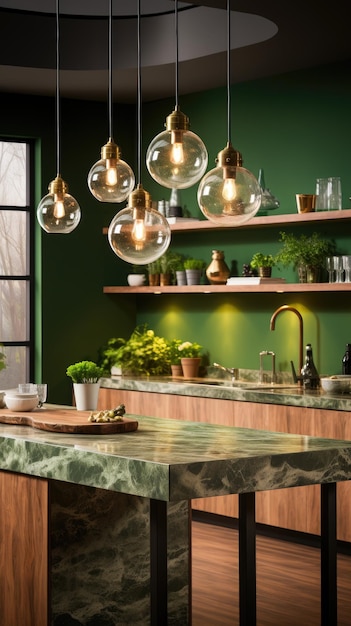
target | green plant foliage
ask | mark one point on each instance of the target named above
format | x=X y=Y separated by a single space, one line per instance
x=194 y=264
x=304 y=250
x=170 y=262
x=144 y=353
x=262 y=260
x=2 y=361
x=108 y=354
x=174 y=354
x=84 y=372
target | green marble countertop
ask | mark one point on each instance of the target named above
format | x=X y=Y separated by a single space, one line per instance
x=291 y=395
x=173 y=460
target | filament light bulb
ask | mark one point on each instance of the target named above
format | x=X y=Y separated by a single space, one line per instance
x=229 y=189
x=111 y=179
x=58 y=211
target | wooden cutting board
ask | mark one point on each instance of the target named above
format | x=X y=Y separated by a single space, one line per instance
x=66 y=421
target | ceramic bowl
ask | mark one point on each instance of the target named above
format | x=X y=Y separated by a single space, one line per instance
x=336 y=384
x=21 y=402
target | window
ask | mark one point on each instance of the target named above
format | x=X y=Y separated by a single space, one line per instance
x=16 y=284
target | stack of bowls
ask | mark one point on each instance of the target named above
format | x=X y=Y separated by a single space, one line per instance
x=16 y=401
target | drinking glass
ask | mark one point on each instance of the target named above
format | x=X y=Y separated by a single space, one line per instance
x=346 y=264
x=334 y=195
x=329 y=264
x=321 y=193
x=42 y=390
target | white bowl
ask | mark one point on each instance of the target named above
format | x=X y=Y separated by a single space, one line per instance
x=136 y=280
x=22 y=402
x=336 y=384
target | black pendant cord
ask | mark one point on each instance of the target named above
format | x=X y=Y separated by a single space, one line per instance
x=139 y=95
x=228 y=73
x=176 y=52
x=58 y=125
x=110 y=120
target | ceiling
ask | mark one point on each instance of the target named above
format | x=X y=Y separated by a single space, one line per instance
x=267 y=38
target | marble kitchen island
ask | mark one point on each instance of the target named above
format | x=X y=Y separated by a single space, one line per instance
x=100 y=525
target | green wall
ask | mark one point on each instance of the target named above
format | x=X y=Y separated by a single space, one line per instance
x=295 y=126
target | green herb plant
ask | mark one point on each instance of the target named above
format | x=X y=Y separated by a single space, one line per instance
x=194 y=264
x=189 y=350
x=84 y=372
x=144 y=353
x=262 y=260
x=304 y=250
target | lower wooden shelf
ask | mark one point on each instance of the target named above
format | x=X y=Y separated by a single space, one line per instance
x=263 y=288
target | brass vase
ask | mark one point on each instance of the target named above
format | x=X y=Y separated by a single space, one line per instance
x=217 y=271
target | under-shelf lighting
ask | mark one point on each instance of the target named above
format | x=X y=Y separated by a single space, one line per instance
x=58 y=211
x=139 y=234
x=110 y=179
x=229 y=194
x=177 y=157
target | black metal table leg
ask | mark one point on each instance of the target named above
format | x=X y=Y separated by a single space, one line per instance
x=329 y=599
x=247 y=560
x=158 y=563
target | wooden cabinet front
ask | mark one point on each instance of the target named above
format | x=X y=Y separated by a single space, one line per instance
x=294 y=509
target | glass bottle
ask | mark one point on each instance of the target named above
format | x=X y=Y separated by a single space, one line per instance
x=346 y=361
x=309 y=374
x=218 y=271
x=268 y=200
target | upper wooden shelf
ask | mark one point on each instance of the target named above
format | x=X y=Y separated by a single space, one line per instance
x=260 y=222
x=265 y=288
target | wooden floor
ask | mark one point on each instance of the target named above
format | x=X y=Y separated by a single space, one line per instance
x=288 y=581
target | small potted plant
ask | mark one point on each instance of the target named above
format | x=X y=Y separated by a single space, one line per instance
x=190 y=358
x=174 y=357
x=263 y=263
x=168 y=263
x=154 y=270
x=306 y=253
x=194 y=269
x=85 y=376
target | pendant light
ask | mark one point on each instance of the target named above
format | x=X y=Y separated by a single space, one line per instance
x=139 y=234
x=110 y=179
x=176 y=158
x=58 y=212
x=229 y=194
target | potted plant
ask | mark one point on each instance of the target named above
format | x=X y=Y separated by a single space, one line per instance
x=144 y=353
x=168 y=262
x=174 y=357
x=193 y=269
x=108 y=356
x=263 y=263
x=85 y=376
x=190 y=358
x=154 y=270
x=137 y=277
x=306 y=253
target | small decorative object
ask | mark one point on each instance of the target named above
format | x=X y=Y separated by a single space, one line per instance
x=263 y=263
x=85 y=376
x=175 y=205
x=190 y=358
x=247 y=271
x=218 y=271
x=307 y=254
x=268 y=200
x=193 y=269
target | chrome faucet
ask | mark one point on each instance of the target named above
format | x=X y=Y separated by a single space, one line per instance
x=233 y=371
x=267 y=353
x=286 y=307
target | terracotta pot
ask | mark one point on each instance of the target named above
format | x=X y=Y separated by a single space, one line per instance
x=190 y=366
x=177 y=370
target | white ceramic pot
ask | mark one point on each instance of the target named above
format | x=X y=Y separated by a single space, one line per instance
x=86 y=396
x=136 y=280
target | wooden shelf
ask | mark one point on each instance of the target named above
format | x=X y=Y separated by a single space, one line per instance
x=208 y=289
x=261 y=222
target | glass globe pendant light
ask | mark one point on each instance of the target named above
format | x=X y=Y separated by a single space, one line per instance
x=110 y=179
x=229 y=194
x=177 y=157
x=58 y=211
x=139 y=234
